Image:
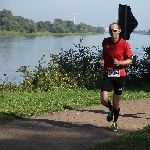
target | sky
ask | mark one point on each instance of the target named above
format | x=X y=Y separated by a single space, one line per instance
x=91 y=12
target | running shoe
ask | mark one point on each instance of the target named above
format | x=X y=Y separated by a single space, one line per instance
x=114 y=126
x=110 y=116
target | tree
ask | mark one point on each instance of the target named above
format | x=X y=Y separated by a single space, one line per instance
x=29 y=26
x=9 y=22
x=44 y=26
x=5 y=19
x=82 y=28
x=100 y=30
x=71 y=26
x=57 y=26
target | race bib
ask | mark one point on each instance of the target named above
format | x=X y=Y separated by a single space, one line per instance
x=114 y=73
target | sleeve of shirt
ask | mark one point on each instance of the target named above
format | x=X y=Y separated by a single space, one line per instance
x=103 y=43
x=128 y=51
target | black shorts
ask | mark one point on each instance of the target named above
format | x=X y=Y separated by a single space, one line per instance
x=113 y=83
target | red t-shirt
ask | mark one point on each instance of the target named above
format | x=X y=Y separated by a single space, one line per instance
x=120 y=51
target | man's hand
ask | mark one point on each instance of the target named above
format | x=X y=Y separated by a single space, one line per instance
x=116 y=62
x=122 y=63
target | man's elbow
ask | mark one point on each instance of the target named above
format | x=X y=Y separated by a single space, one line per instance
x=130 y=62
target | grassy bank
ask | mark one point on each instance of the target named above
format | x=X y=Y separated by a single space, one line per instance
x=18 y=105
x=138 y=140
x=13 y=33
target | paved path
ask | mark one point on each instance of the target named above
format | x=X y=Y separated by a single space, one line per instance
x=72 y=129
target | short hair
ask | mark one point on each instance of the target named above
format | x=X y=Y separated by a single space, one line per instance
x=113 y=24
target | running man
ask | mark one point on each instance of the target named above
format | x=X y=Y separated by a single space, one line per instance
x=116 y=55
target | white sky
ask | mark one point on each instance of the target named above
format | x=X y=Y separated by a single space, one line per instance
x=92 y=12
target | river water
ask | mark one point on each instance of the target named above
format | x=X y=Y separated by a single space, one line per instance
x=17 y=51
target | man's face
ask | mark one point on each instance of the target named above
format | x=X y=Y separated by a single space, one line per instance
x=114 y=31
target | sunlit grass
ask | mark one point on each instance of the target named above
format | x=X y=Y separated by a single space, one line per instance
x=137 y=140
x=135 y=93
x=46 y=33
x=29 y=104
x=23 y=104
x=16 y=105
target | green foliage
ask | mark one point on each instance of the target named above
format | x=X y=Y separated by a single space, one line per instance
x=22 y=104
x=138 y=73
x=45 y=78
x=21 y=24
x=76 y=68
x=82 y=65
x=7 y=85
x=15 y=104
x=138 y=140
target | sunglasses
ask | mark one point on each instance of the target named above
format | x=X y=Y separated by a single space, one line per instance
x=113 y=30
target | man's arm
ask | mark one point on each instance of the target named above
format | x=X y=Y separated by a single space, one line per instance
x=102 y=60
x=123 y=63
x=128 y=57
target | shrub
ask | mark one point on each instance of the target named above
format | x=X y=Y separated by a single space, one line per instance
x=77 y=68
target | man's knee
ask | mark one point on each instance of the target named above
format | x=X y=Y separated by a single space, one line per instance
x=118 y=92
x=104 y=98
x=104 y=102
x=116 y=109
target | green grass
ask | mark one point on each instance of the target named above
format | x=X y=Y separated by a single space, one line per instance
x=137 y=140
x=16 y=105
x=30 y=104
x=46 y=33
x=21 y=104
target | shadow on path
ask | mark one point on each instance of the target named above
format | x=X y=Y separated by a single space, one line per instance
x=134 y=115
x=52 y=135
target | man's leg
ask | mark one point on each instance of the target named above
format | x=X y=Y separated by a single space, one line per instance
x=116 y=108
x=105 y=101
x=118 y=88
x=106 y=87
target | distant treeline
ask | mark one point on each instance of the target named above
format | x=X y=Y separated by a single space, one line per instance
x=8 y=22
x=142 y=31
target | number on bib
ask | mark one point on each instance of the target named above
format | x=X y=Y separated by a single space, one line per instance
x=114 y=73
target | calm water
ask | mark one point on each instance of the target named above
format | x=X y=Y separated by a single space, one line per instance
x=27 y=51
